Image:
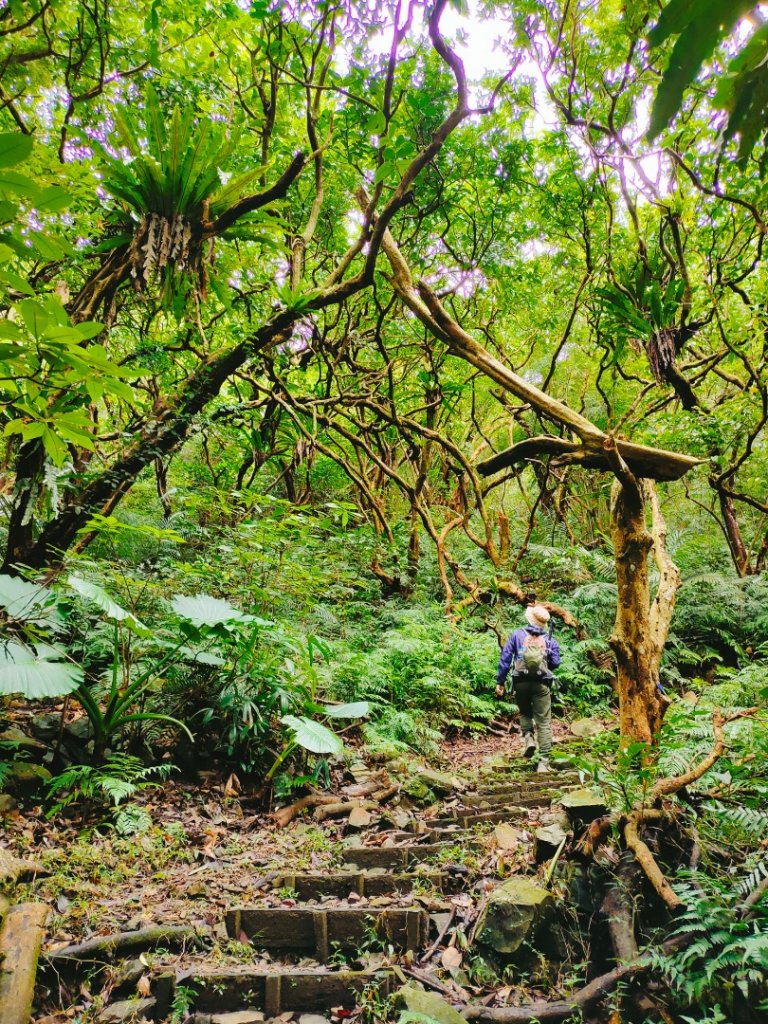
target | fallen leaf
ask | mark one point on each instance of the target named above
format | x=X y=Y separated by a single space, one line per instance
x=507 y=837
x=359 y=817
x=233 y=787
x=451 y=958
x=144 y=986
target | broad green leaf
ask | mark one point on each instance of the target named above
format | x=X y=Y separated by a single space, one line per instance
x=313 y=736
x=22 y=600
x=24 y=672
x=203 y=610
x=357 y=709
x=97 y=595
x=18 y=185
x=14 y=148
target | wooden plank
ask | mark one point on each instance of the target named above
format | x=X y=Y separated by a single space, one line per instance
x=20 y=939
x=292 y=989
x=308 y=929
x=391 y=858
x=310 y=886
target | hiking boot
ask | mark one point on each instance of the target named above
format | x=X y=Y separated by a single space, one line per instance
x=543 y=767
x=529 y=748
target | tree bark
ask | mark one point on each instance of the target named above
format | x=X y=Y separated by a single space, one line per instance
x=640 y=707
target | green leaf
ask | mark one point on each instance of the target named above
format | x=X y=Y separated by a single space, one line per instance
x=313 y=736
x=22 y=600
x=203 y=610
x=701 y=25
x=25 y=672
x=357 y=709
x=14 y=148
x=18 y=185
x=97 y=595
x=376 y=123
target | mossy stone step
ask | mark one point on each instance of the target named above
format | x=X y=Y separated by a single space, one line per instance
x=394 y=858
x=319 y=931
x=339 y=885
x=274 y=990
x=470 y=817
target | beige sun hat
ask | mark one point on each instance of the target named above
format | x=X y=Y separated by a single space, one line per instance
x=537 y=615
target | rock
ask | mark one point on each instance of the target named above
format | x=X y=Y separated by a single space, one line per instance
x=27 y=780
x=418 y=791
x=556 y=816
x=127 y=1010
x=583 y=806
x=46 y=727
x=197 y=891
x=253 y=1016
x=546 y=842
x=513 y=913
x=80 y=730
x=126 y=976
x=440 y=782
x=20 y=741
x=586 y=728
x=7 y=803
x=429 y=1004
x=312 y=1018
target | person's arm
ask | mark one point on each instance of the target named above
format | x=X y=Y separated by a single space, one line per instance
x=505 y=663
x=553 y=653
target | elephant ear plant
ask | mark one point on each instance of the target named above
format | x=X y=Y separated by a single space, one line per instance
x=35 y=665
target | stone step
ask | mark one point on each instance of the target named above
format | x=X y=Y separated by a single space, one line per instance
x=273 y=990
x=392 y=858
x=470 y=817
x=310 y=886
x=320 y=931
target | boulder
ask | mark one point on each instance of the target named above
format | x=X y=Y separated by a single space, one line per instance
x=583 y=806
x=80 y=730
x=440 y=782
x=513 y=913
x=428 y=1004
x=7 y=803
x=586 y=728
x=546 y=842
x=127 y=1010
x=46 y=727
x=20 y=741
x=418 y=791
x=27 y=780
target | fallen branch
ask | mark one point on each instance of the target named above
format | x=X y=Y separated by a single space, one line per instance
x=286 y=815
x=13 y=868
x=665 y=787
x=335 y=810
x=20 y=939
x=386 y=794
x=543 y=1012
x=647 y=862
x=104 y=948
x=430 y=951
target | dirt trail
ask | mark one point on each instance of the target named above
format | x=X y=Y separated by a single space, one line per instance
x=323 y=918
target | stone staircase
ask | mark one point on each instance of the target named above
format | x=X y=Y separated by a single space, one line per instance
x=314 y=956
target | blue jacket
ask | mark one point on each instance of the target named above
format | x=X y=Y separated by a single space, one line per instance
x=513 y=650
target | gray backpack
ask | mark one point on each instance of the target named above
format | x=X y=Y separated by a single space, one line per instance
x=533 y=657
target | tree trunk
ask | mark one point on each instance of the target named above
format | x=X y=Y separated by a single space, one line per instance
x=161 y=435
x=641 y=708
x=733 y=535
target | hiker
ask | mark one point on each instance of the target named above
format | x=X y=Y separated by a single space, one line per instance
x=531 y=652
